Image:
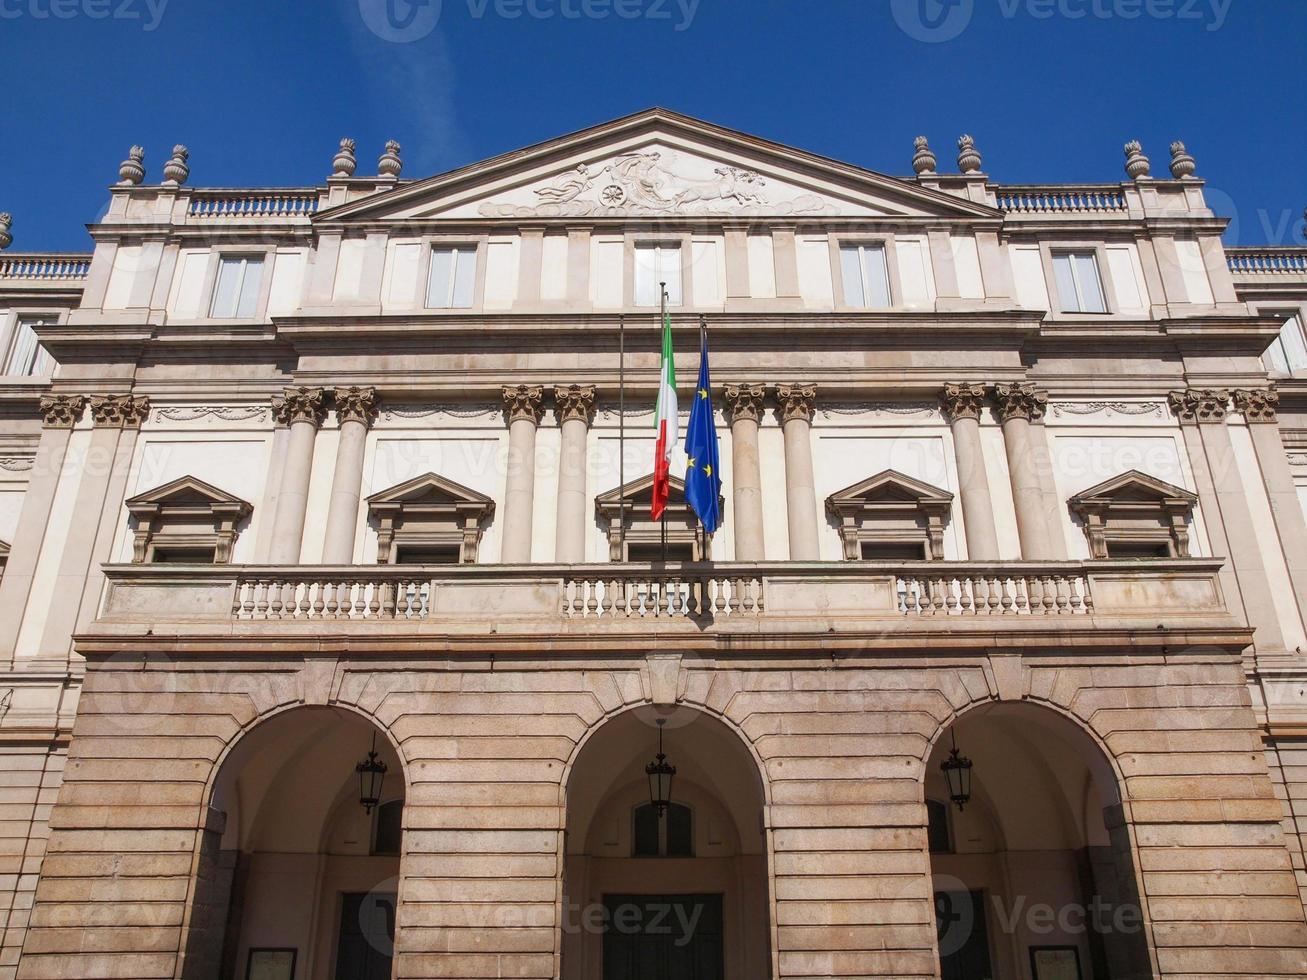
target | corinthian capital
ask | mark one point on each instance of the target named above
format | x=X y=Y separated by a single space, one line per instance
x=963 y=400
x=574 y=402
x=797 y=401
x=355 y=404
x=61 y=411
x=300 y=405
x=1020 y=400
x=120 y=411
x=1257 y=404
x=1198 y=405
x=745 y=400
x=524 y=402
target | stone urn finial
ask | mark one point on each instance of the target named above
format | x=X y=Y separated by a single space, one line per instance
x=923 y=161
x=1182 y=164
x=390 y=165
x=6 y=222
x=344 y=163
x=1136 y=164
x=132 y=170
x=968 y=155
x=176 y=170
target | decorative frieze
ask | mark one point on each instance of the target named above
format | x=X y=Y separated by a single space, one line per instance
x=355 y=404
x=524 y=402
x=1199 y=405
x=1135 y=409
x=120 y=411
x=300 y=405
x=227 y=413
x=797 y=401
x=17 y=464
x=745 y=401
x=455 y=410
x=878 y=408
x=963 y=400
x=1257 y=404
x=61 y=411
x=574 y=402
x=1020 y=400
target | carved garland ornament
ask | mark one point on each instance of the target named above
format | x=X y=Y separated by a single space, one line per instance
x=1117 y=408
x=228 y=413
x=17 y=464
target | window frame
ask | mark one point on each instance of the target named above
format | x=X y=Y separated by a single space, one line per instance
x=886 y=247
x=459 y=246
x=1048 y=250
x=12 y=326
x=684 y=283
x=1293 y=315
x=664 y=823
x=213 y=280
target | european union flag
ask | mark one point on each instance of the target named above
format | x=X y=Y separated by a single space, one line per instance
x=703 y=482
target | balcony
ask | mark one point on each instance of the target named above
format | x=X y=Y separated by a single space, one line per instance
x=1105 y=602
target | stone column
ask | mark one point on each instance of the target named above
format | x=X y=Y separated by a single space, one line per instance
x=356 y=408
x=59 y=413
x=745 y=402
x=90 y=537
x=1204 y=409
x=1259 y=407
x=302 y=409
x=523 y=406
x=575 y=407
x=797 y=402
x=1018 y=405
x=963 y=404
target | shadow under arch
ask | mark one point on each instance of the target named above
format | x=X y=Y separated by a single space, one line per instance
x=708 y=867
x=288 y=859
x=1040 y=862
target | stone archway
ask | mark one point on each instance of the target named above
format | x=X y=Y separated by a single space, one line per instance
x=291 y=861
x=1039 y=863
x=686 y=892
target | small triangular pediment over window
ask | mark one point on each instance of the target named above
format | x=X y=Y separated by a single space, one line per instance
x=1137 y=487
x=638 y=495
x=891 y=515
x=626 y=515
x=430 y=491
x=1134 y=515
x=4 y=550
x=431 y=518
x=183 y=492
x=891 y=487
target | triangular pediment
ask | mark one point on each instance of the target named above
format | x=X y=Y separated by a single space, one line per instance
x=431 y=490
x=186 y=491
x=890 y=487
x=657 y=163
x=637 y=491
x=4 y=550
x=1135 y=487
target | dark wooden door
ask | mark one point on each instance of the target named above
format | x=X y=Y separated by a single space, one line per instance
x=663 y=937
x=963 y=938
x=367 y=936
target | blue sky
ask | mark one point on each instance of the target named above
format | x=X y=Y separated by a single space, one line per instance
x=262 y=90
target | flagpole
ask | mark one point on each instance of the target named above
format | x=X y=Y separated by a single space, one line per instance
x=662 y=318
x=621 y=435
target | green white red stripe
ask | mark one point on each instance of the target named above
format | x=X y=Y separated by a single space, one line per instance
x=665 y=420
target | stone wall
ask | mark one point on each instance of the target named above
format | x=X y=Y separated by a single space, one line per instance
x=487 y=744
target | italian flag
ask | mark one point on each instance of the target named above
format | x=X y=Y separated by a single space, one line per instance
x=665 y=419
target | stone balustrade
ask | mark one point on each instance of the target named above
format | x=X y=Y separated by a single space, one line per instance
x=44 y=267
x=220 y=205
x=1257 y=261
x=545 y=598
x=1045 y=199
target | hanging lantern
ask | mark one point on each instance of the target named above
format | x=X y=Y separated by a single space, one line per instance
x=371 y=772
x=660 y=774
x=957 y=770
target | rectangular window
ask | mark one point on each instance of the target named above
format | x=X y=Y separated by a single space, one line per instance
x=656 y=264
x=866 y=278
x=453 y=273
x=26 y=358
x=1079 y=286
x=237 y=291
x=1288 y=352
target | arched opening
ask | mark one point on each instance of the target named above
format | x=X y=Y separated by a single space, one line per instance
x=1034 y=875
x=681 y=893
x=296 y=879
